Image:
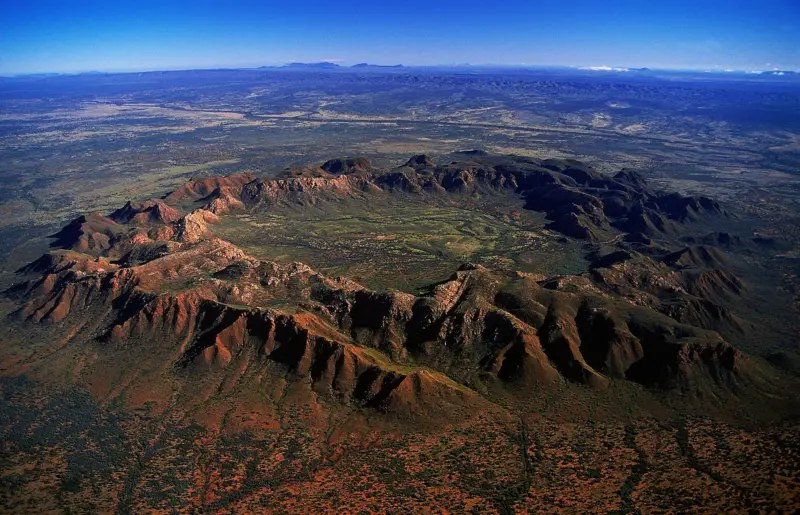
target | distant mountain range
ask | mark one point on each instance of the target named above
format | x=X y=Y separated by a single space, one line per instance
x=327 y=65
x=485 y=68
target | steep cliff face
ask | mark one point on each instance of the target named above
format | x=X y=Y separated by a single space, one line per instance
x=141 y=213
x=201 y=188
x=579 y=201
x=525 y=332
x=93 y=233
x=691 y=285
x=202 y=333
x=152 y=275
x=469 y=327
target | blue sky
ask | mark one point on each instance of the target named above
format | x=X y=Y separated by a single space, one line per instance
x=116 y=35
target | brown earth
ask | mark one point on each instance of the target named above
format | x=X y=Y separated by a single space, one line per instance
x=148 y=307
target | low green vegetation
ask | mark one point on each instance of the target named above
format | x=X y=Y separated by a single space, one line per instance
x=404 y=242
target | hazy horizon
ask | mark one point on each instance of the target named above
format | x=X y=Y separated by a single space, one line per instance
x=79 y=37
x=600 y=68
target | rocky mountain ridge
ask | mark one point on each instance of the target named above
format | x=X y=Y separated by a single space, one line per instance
x=153 y=274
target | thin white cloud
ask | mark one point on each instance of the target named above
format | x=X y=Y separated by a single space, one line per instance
x=604 y=68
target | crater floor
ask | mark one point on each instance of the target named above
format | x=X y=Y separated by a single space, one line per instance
x=405 y=242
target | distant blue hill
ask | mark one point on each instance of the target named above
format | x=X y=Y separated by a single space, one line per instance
x=367 y=65
x=325 y=65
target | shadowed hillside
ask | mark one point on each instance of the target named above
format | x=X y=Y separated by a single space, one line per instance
x=156 y=317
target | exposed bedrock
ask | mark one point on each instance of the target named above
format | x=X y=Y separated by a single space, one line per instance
x=153 y=275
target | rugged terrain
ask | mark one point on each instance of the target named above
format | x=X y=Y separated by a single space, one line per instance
x=91 y=142
x=160 y=330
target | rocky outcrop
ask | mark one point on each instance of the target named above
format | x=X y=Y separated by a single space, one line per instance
x=141 y=213
x=696 y=256
x=347 y=166
x=579 y=201
x=195 y=226
x=93 y=233
x=525 y=332
x=197 y=189
x=208 y=334
x=153 y=274
x=467 y=324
